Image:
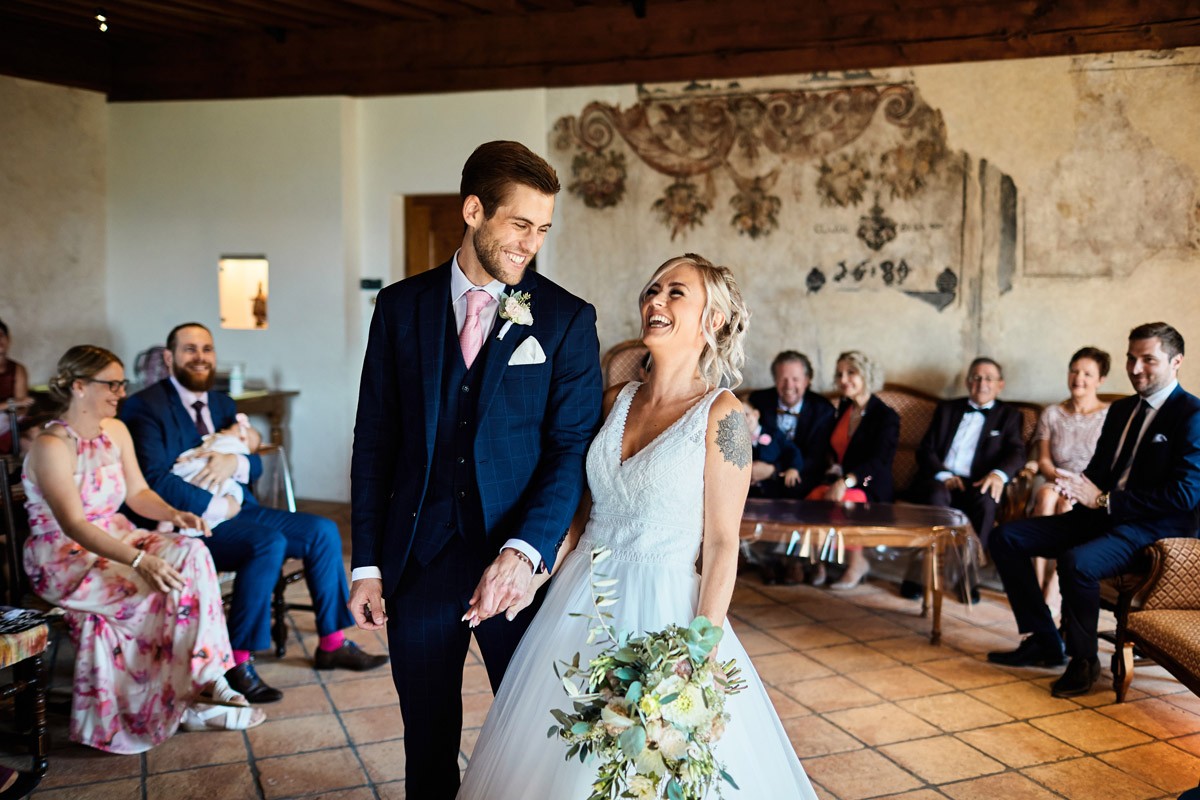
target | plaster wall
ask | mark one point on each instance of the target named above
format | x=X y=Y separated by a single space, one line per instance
x=52 y=226
x=192 y=181
x=1105 y=241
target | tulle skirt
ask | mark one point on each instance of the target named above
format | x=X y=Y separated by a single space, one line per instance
x=514 y=759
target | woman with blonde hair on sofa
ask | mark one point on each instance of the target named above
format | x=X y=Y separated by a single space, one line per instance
x=861 y=450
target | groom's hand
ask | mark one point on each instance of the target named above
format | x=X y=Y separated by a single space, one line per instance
x=504 y=583
x=366 y=604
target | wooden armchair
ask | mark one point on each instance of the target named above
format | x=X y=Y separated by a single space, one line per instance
x=622 y=362
x=1166 y=624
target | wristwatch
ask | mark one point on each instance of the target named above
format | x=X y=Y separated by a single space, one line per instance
x=1102 y=500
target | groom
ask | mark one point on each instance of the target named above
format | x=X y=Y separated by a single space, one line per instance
x=480 y=393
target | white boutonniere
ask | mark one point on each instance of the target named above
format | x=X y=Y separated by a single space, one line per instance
x=514 y=310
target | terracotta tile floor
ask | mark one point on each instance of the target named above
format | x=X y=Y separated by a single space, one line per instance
x=872 y=708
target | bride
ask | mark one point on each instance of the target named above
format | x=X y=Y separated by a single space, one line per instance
x=668 y=475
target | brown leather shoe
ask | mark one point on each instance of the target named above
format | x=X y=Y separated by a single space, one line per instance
x=348 y=656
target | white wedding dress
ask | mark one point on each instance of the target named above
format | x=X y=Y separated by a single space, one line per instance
x=649 y=510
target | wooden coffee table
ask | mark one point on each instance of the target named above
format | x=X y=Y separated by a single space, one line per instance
x=823 y=529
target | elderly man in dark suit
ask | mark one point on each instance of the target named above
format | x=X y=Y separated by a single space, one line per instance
x=973 y=447
x=481 y=391
x=804 y=417
x=1143 y=484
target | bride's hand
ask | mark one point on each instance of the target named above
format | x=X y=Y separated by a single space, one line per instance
x=535 y=584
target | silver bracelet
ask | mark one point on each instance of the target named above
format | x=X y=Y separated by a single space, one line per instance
x=523 y=557
x=137 y=559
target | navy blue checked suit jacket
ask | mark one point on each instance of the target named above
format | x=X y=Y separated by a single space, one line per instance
x=1164 y=479
x=162 y=429
x=534 y=421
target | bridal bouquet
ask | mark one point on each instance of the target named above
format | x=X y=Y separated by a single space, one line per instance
x=651 y=706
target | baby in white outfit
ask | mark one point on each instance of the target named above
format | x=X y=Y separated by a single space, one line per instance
x=238 y=439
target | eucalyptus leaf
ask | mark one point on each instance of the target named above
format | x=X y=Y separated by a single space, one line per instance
x=632 y=741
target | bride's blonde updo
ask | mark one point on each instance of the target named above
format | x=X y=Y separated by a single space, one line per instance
x=81 y=361
x=724 y=354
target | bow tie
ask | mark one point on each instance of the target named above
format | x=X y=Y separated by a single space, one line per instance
x=974 y=410
x=781 y=411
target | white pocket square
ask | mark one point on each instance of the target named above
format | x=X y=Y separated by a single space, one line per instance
x=993 y=433
x=527 y=352
x=1158 y=437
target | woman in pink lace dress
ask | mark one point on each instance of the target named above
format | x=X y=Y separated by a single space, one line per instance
x=144 y=608
x=1065 y=439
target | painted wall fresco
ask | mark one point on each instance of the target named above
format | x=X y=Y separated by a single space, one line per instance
x=865 y=164
x=1038 y=206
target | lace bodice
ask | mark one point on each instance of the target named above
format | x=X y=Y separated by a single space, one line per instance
x=649 y=507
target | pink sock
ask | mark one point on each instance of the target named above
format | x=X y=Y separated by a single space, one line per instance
x=240 y=657
x=332 y=641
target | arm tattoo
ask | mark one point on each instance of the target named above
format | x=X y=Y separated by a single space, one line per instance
x=734 y=439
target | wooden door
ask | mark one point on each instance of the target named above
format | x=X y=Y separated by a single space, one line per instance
x=433 y=230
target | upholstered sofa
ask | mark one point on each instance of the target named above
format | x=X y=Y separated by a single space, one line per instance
x=622 y=361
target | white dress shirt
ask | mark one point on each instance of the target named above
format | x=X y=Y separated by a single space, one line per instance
x=787 y=418
x=1153 y=404
x=961 y=455
x=218 y=507
x=459 y=286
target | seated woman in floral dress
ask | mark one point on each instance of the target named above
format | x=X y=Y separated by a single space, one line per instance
x=144 y=608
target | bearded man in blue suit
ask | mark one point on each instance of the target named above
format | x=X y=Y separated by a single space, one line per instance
x=480 y=393
x=170 y=417
x=1142 y=484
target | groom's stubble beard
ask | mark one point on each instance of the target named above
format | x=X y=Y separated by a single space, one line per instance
x=491 y=257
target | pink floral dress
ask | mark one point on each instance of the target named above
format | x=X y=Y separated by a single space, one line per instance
x=142 y=655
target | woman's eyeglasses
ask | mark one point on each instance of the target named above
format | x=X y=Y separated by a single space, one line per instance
x=113 y=386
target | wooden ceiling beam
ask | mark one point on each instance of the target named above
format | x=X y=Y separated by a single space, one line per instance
x=55 y=55
x=677 y=41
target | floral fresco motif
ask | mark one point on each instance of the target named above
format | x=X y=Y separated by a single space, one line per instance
x=599 y=178
x=757 y=212
x=843 y=180
x=681 y=207
x=751 y=138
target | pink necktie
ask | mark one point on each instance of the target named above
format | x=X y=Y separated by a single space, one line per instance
x=471 y=337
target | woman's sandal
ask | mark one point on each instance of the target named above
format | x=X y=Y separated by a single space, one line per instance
x=220 y=693
x=205 y=717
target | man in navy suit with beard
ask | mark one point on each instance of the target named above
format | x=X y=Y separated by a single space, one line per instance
x=1142 y=484
x=481 y=391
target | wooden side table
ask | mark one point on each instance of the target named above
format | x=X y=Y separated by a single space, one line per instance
x=272 y=404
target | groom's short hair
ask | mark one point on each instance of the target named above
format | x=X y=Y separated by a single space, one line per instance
x=494 y=167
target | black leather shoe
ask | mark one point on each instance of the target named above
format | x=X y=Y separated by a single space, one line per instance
x=348 y=656
x=911 y=590
x=1032 y=652
x=1077 y=679
x=243 y=678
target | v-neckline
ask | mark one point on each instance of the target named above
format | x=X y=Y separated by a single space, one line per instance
x=625 y=419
